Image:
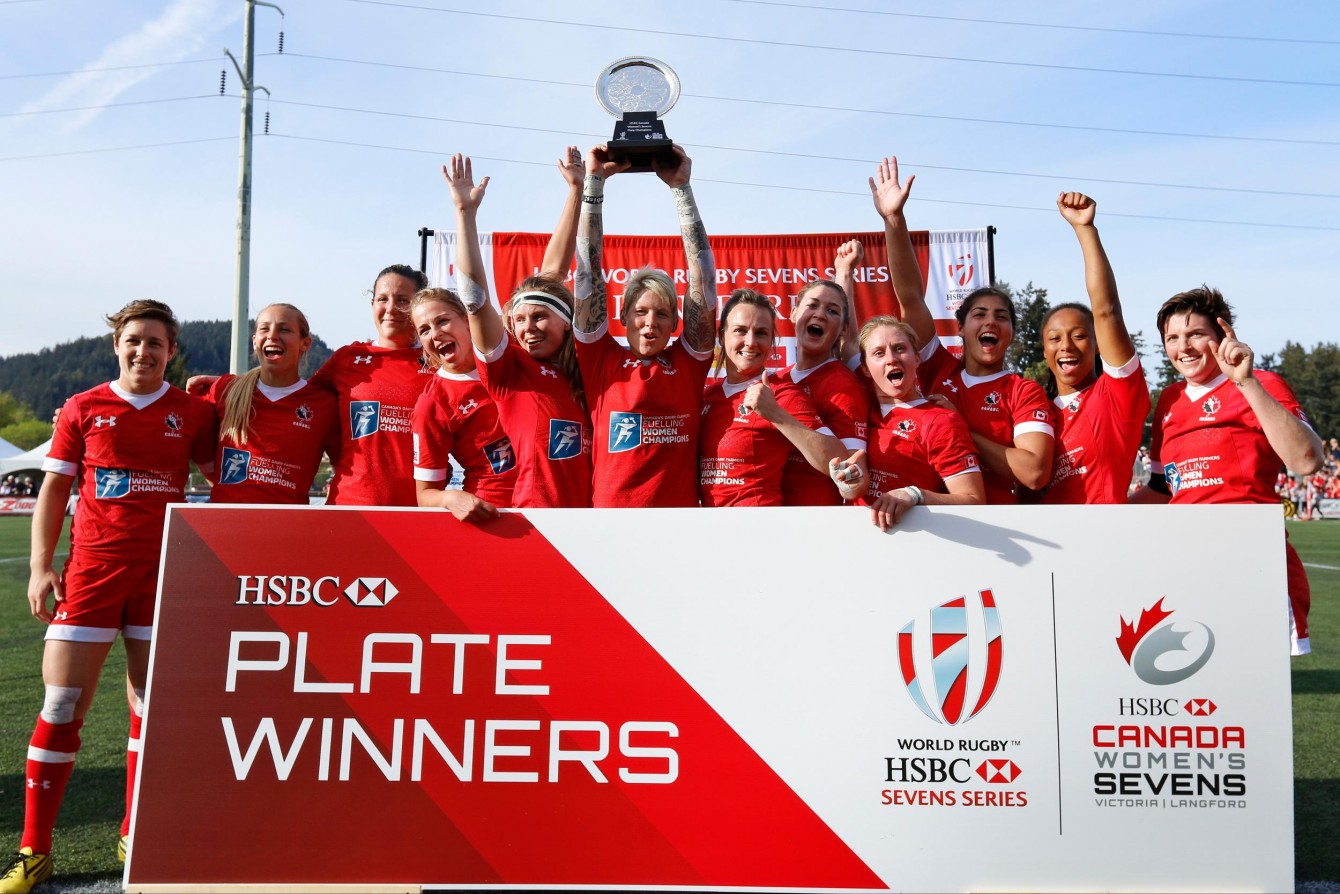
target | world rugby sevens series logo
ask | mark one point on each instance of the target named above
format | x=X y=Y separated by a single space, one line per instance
x=964 y=645
x=1163 y=651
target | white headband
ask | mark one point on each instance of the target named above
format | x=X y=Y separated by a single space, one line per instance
x=544 y=299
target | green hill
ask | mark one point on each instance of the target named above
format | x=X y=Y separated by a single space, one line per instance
x=44 y=379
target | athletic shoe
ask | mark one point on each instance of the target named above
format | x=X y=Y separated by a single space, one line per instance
x=121 y=847
x=25 y=871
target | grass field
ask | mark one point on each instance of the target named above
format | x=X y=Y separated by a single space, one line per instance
x=86 y=836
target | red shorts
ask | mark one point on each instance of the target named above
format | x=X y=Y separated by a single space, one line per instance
x=1300 y=600
x=102 y=598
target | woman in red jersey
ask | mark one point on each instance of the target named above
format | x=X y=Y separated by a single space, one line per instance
x=455 y=417
x=748 y=428
x=1009 y=416
x=825 y=339
x=274 y=427
x=1099 y=417
x=646 y=398
x=920 y=452
x=1222 y=433
x=531 y=373
x=377 y=384
x=130 y=443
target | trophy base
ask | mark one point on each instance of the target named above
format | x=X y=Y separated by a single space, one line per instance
x=639 y=138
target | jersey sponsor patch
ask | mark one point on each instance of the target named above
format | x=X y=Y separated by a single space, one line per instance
x=1172 y=476
x=234 y=467
x=364 y=418
x=112 y=483
x=565 y=439
x=625 y=431
x=500 y=455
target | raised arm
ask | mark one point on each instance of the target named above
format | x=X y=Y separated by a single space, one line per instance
x=1291 y=438
x=486 y=325
x=592 y=310
x=1114 y=341
x=849 y=256
x=890 y=196
x=700 y=299
x=562 y=242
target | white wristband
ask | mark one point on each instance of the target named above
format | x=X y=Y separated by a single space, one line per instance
x=915 y=493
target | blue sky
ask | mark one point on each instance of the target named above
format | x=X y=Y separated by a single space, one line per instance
x=1226 y=150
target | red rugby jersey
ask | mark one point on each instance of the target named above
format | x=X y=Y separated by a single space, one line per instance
x=1097 y=435
x=132 y=455
x=743 y=455
x=377 y=388
x=1209 y=444
x=549 y=430
x=455 y=417
x=918 y=444
x=843 y=404
x=645 y=416
x=1000 y=406
x=286 y=437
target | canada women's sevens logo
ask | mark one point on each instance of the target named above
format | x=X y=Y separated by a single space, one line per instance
x=1163 y=651
x=951 y=658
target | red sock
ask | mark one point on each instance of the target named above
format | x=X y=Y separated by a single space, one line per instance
x=132 y=766
x=50 y=761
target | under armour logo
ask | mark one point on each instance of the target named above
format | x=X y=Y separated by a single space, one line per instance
x=366 y=358
x=62 y=615
x=467 y=406
x=45 y=783
x=100 y=421
x=949 y=383
x=546 y=371
x=630 y=362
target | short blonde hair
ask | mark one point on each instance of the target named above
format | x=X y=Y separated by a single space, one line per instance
x=658 y=283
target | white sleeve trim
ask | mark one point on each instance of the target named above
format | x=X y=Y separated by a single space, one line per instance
x=590 y=338
x=976 y=471
x=1125 y=370
x=1024 y=428
x=60 y=467
x=854 y=443
x=497 y=352
x=429 y=474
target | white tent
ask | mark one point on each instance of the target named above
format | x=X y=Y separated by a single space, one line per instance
x=32 y=459
x=7 y=449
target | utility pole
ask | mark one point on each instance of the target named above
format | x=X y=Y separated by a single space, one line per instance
x=242 y=288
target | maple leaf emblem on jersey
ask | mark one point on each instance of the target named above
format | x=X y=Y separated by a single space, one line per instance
x=1211 y=406
x=992 y=399
x=304 y=413
x=907 y=425
x=172 y=421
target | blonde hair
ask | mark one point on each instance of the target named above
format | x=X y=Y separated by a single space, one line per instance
x=882 y=321
x=238 y=399
x=566 y=359
x=659 y=284
x=445 y=296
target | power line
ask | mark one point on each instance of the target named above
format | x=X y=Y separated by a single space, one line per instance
x=862 y=50
x=833 y=108
x=108 y=105
x=838 y=192
x=1052 y=25
x=74 y=71
x=113 y=149
x=815 y=157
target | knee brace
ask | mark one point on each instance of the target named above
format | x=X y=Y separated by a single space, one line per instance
x=58 y=706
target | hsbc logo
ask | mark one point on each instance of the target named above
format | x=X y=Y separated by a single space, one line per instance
x=295 y=589
x=1201 y=707
x=1002 y=770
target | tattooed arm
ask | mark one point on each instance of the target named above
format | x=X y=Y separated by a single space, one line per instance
x=700 y=300
x=592 y=311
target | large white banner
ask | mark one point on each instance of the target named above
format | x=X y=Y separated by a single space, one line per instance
x=988 y=699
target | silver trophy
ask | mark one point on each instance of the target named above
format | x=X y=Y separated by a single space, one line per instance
x=638 y=90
